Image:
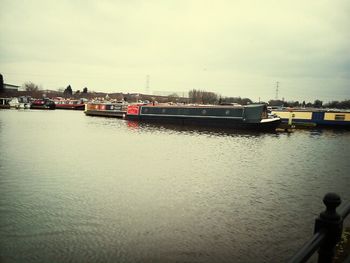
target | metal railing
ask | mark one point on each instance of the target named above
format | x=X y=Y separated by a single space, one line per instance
x=327 y=232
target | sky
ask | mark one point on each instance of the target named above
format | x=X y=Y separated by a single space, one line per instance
x=230 y=47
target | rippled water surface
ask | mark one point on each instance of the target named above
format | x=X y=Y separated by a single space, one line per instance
x=88 y=189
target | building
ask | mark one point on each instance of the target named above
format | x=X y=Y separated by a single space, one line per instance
x=10 y=87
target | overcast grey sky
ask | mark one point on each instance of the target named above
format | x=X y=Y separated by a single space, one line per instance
x=234 y=48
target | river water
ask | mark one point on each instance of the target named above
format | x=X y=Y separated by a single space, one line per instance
x=76 y=188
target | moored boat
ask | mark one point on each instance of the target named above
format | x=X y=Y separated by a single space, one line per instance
x=22 y=102
x=106 y=109
x=240 y=117
x=70 y=104
x=314 y=117
x=5 y=103
x=43 y=104
x=14 y=103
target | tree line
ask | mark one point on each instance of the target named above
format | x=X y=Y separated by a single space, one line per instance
x=345 y=104
x=205 y=97
x=194 y=96
x=208 y=97
x=67 y=92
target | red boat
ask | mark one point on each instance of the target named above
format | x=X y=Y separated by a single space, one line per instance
x=70 y=104
x=43 y=104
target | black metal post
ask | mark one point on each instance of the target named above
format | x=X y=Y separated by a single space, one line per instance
x=332 y=223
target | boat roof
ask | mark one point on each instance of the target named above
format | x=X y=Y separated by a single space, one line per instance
x=311 y=110
x=166 y=105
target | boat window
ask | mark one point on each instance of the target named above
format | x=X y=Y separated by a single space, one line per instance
x=339 y=117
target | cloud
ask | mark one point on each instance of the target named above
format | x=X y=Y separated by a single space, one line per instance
x=236 y=48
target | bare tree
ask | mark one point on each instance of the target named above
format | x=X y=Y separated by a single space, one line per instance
x=173 y=95
x=30 y=86
x=201 y=96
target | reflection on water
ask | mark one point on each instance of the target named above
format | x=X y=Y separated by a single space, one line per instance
x=87 y=189
x=188 y=129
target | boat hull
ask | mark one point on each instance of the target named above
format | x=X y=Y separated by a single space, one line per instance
x=42 y=107
x=112 y=114
x=70 y=107
x=210 y=122
x=113 y=110
x=5 y=106
x=5 y=103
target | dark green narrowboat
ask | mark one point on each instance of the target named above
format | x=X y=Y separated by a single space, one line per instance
x=240 y=117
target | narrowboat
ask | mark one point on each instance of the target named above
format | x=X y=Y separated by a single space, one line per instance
x=240 y=117
x=106 y=109
x=5 y=103
x=43 y=104
x=70 y=104
x=314 y=117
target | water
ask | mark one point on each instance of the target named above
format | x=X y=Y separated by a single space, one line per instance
x=88 y=189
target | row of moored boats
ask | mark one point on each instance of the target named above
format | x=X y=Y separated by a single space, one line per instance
x=254 y=116
x=25 y=102
x=226 y=116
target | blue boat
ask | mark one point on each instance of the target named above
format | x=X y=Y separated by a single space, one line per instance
x=314 y=117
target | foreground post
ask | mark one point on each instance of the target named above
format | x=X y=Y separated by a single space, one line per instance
x=331 y=223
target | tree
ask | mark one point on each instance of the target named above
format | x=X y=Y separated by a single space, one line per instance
x=68 y=91
x=308 y=105
x=30 y=86
x=345 y=104
x=2 y=88
x=296 y=104
x=318 y=104
x=246 y=101
x=276 y=102
x=338 y=104
x=173 y=95
x=209 y=97
x=85 y=90
x=201 y=96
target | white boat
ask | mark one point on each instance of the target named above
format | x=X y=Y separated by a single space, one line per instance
x=24 y=102
x=14 y=103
